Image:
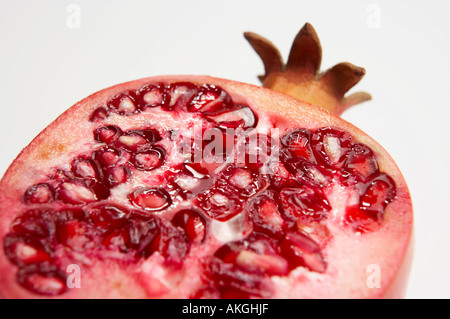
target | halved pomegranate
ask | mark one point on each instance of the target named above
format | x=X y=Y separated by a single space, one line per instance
x=198 y=187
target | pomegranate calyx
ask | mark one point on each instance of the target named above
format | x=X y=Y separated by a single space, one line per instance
x=301 y=76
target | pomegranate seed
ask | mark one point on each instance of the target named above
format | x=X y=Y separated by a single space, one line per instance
x=123 y=103
x=73 y=234
x=308 y=173
x=243 y=117
x=149 y=159
x=241 y=178
x=39 y=194
x=75 y=193
x=379 y=193
x=331 y=146
x=106 y=216
x=99 y=114
x=361 y=162
x=264 y=213
x=43 y=279
x=107 y=134
x=85 y=168
x=117 y=175
x=107 y=157
x=151 y=199
x=37 y=223
x=300 y=250
x=138 y=140
x=305 y=203
x=192 y=223
x=152 y=96
x=265 y=264
x=298 y=144
x=178 y=95
x=210 y=99
x=25 y=251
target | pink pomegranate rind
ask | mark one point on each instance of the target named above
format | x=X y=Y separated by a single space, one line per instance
x=106 y=188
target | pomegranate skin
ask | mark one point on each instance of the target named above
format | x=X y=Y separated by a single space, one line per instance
x=389 y=248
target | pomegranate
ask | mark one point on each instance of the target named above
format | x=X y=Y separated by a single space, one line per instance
x=198 y=187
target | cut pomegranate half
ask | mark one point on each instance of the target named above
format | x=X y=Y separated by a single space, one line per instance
x=270 y=197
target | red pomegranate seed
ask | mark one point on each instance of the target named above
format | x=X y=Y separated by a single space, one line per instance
x=123 y=103
x=42 y=279
x=138 y=140
x=107 y=156
x=178 y=95
x=242 y=117
x=264 y=212
x=117 y=175
x=331 y=146
x=73 y=234
x=298 y=144
x=152 y=96
x=210 y=99
x=301 y=250
x=361 y=162
x=192 y=223
x=99 y=114
x=39 y=194
x=106 y=216
x=107 y=134
x=85 y=168
x=75 y=193
x=151 y=199
x=25 y=251
x=149 y=159
x=306 y=203
x=260 y=263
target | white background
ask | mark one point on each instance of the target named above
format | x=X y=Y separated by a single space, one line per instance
x=46 y=65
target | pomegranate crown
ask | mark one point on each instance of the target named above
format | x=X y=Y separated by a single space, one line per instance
x=301 y=76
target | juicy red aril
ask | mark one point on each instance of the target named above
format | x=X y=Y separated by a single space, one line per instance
x=85 y=168
x=136 y=140
x=106 y=216
x=379 y=193
x=305 y=203
x=107 y=134
x=36 y=223
x=242 y=117
x=241 y=181
x=149 y=159
x=210 y=99
x=123 y=103
x=298 y=144
x=39 y=194
x=255 y=150
x=331 y=146
x=178 y=95
x=73 y=234
x=107 y=156
x=152 y=96
x=361 y=162
x=137 y=235
x=264 y=212
x=99 y=114
x=75 y=193
x=26 y=250
x=192 y=223
x=301 y=250
x=43 y=279
x=218 y=205
x=151 y=199
x=307 y=172
x=375 y=196
x=117 y=175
